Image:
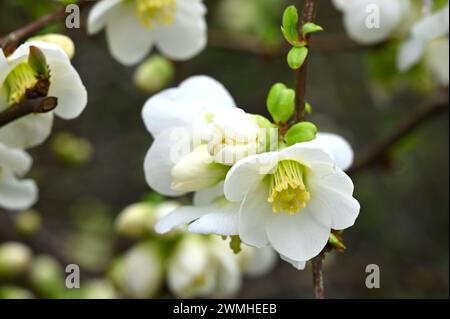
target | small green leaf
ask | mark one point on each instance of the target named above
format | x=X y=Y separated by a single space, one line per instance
x=290 y=25
x=296 y=57
x=37 y=61
x=308 y=108
x=334 y=241
x=281 y=103
x=262 y=121
x=301 y=132
x=310 y=27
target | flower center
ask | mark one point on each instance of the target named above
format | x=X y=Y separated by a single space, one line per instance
x=21 y=79
x=288 y=192
x=155 y=11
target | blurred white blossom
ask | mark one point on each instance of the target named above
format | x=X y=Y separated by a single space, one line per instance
x=176 y=27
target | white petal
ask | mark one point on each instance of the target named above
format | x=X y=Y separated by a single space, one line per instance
x=331 y=197
x=222 y=220
x=299 y=265
x=160 y=160
x=307 y=153
x=298 y=237
x=252 y=217
x=28 y=131
x=100 y=14
x=342 y=208
x=339 y=149
x=247 y=174
x=67 y=86
x=16 y=160
x=186 y=37
x=16 y=194
x=185 y=105
x=432 y=26
x=208 y=195
x=128 y=41
x=181 y=216
x=410 y=53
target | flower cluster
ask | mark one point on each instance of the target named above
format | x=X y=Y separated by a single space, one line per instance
x=248 y=180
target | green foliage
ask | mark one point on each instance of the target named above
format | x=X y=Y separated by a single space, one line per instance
x=310 y=27
x=38 y=62
x=296 y=57
x=289 y=26
x=301 y=132
x=281 y=103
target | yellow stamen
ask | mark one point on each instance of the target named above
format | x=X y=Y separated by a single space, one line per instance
x=151 y=12
x=288 y=192
x=18 y=81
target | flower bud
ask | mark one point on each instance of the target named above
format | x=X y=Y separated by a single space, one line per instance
x=47 y=277
x=15 y=258
x=140 y=274
x=281 y=103
x=99 y=289
x=197 y=171
x=71 y=149
x=189 y=270
x=28 y=222
x=136 y=220
x=256 y=262
x=301 y=132
x=63 y=41
x=154 y=74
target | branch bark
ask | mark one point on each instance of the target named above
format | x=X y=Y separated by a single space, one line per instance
x=26 y=107
x=308 y=15
x=317 y=273
x=376 y=152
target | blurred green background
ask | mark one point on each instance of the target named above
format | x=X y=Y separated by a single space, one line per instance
x=403 y=224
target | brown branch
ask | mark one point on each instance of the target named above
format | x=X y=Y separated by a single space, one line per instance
x=247 y=44
x=317 y=273
x=9 y=42
x=376 y=152
x=308 y=15
x=28 y=106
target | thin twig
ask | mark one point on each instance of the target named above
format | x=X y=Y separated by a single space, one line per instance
x=376 y=152
x=317 y=273
x=26 y=107
x=308 y=15
x=9 y=42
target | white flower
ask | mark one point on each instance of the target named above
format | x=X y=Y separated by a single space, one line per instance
x=16 y=77
x=292 y=199
x=429 y=37
x=372 y=21
x=14 y=193
x=203 y=267
x=176 y=27
x=180 y=121
x=141 y=272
